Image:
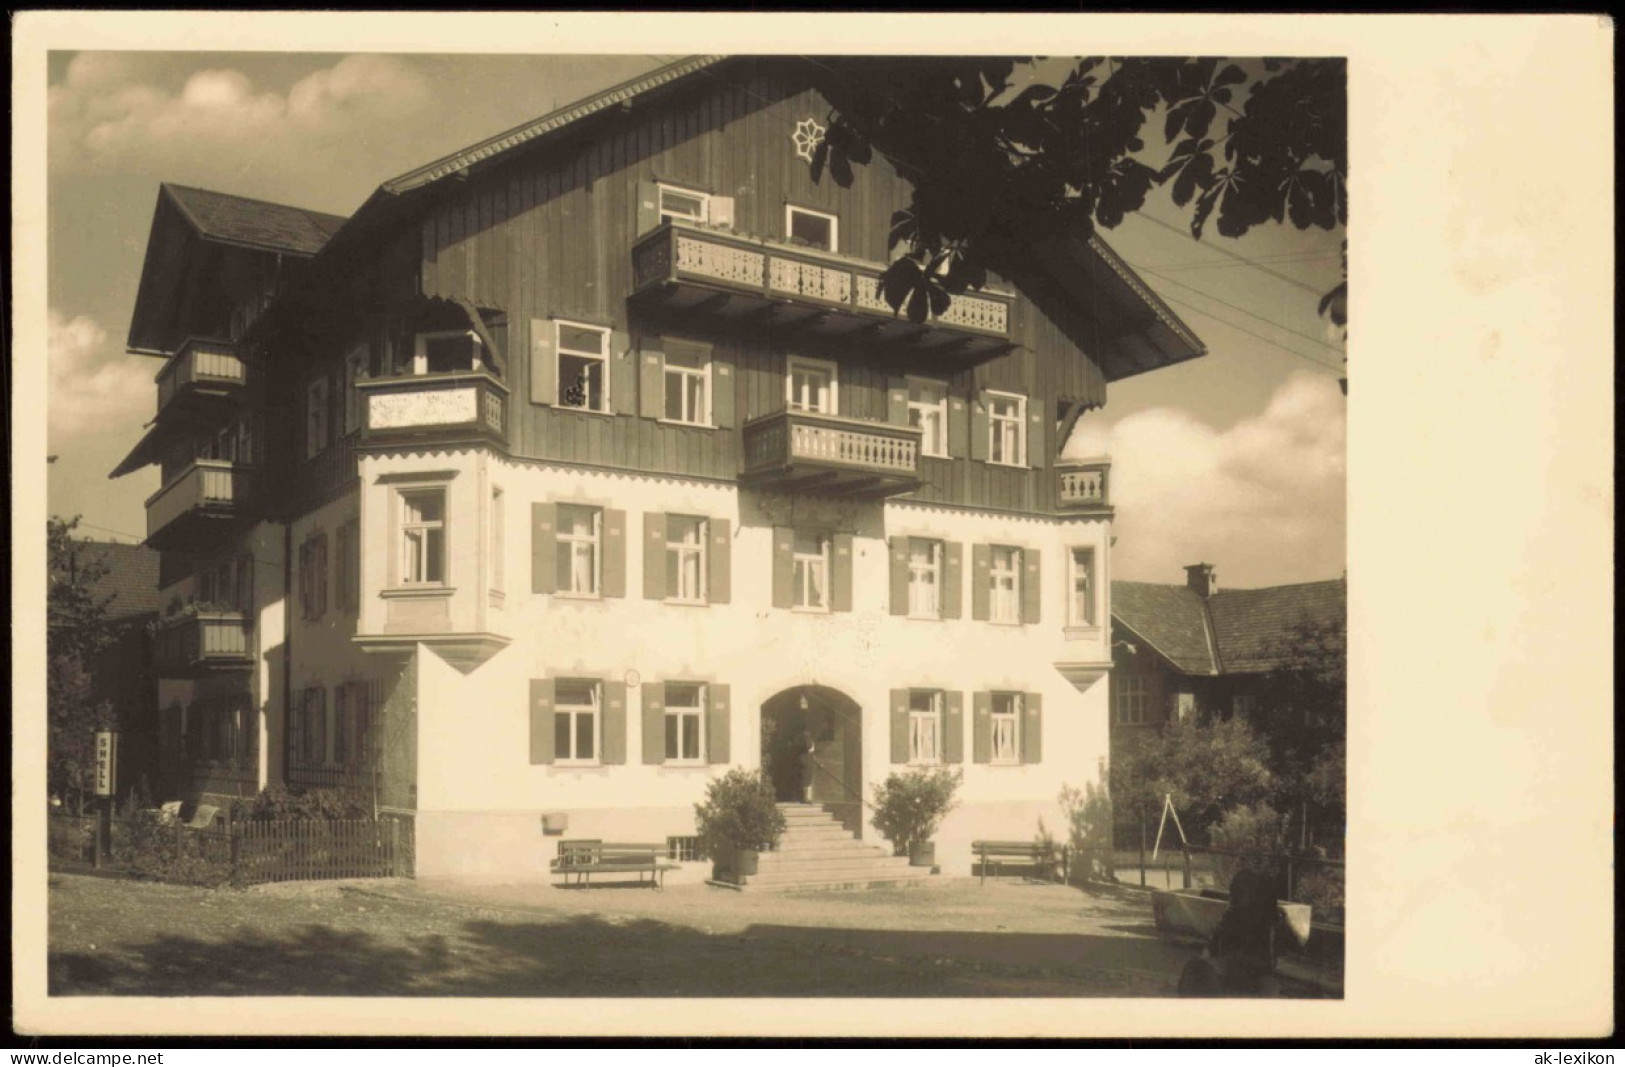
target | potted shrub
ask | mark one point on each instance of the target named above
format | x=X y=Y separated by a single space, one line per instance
x=738 y=820
x=909 y=806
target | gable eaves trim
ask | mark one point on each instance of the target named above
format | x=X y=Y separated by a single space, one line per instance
x=549 y=123
x=1158 y=306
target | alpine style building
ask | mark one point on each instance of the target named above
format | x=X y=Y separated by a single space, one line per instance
x=583 y=464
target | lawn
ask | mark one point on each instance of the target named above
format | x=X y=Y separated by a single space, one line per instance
x=401 y=938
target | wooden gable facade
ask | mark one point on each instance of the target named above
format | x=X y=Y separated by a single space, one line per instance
x=547 y=231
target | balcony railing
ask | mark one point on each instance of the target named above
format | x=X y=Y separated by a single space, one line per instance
x=200 y=367
x=802 y=451
x=1082 y=484
x=194 y=506
x=689 y=266
x=199 y=641
x=438 y=408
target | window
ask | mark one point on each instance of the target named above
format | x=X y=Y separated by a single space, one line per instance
x=583 y=366
x=811 y=229
x=685 y=559
x=1006 y=727
x=315 y=417
x=313 y=576
x=1004 y=603
x=925 y=726
x=683 y=709
x=688 y=380
x=1130 y=694
x=443 y=351
x=498 y=524
x=811 y=575
x=355 y=368
x=1081 y=599
x=684 y=204
x=928 y=412
x=245 y=441
x=1184 y=705
x=577 y=550
x=423 y=537
x=924 y=578
x=1007 y=427
x=575 y=721
x=810 y=385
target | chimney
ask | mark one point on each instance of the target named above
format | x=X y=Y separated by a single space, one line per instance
x=1199 y=576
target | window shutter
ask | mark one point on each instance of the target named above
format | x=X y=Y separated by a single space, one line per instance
x=245 y=586
x=722 y=393
x=981 y=575
x=1032 y=586
x=953 y=579
x=899 y=576
x=979 y=427
x=296 y=731
x=623 y=374
x=897 y=400
x=716 y=724
x=953 y=726
x=614 y=723
x=544 y=364
x=354 y=595
x=648 y=206
x=654 y=722
x=982 y=727
x=651 y=382
x=840 y=566
x=958 y=427
x=654 y=555
x=1032 y=728
x=319 y=726
x=719 y=561
x=614 y=563
x=899 y=725
x=1038 y=432
x=321 y=576
x=543 y=538
x=784 y=572
x=541 y=720
x=720 y=211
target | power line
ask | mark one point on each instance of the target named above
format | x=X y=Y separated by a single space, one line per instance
x=1244 y=311
x=1251 y=333
x=1213 y=264
x=1232 y=255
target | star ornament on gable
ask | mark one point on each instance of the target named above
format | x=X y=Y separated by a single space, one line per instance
x=808 y=136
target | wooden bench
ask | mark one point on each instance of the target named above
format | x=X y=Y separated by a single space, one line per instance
x=1028 y=853
x=582 y=859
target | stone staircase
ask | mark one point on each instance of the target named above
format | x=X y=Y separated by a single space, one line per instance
x=816 y=852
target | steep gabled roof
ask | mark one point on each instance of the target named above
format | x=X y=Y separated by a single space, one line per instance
x=1235 y=631
x=131 y=579
x=254 y=223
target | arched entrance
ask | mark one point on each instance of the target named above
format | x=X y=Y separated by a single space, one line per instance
x=835 y=723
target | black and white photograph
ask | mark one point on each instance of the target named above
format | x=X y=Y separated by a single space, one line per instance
x=558 y=523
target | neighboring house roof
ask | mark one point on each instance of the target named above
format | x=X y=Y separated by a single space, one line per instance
x=255 y=223
x=131 y=579
x=1234 y=631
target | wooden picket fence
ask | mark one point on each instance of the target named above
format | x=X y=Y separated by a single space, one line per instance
x=300 y=850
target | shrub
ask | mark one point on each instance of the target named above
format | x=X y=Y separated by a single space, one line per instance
x=1321 y=886
x=1256 y=828
x=738 y=813
x=1089 y=826
x=70 y=839
x=911 y=805
x=158 y=849
x=283 y=802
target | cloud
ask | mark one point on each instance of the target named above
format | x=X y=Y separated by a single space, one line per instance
x=112 y=113
x=1262 y=500
x=93 y=386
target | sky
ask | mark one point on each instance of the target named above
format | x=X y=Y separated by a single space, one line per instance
x=1235 y=459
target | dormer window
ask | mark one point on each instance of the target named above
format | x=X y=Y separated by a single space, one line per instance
x=686 y=205
x=811 y=229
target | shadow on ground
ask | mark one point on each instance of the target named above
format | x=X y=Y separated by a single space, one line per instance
x=587 y=956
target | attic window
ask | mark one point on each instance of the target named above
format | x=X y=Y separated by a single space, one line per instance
x=684 y=204
x=811 y=229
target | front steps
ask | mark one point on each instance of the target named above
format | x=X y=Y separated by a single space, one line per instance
x=816 y=852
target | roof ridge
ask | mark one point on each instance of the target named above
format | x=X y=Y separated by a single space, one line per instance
x=244 y=199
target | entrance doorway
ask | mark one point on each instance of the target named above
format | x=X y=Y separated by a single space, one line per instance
x=834 y=722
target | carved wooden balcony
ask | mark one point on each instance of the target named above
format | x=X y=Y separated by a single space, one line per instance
x=802 y=451
x=206 y=501
x=1081 y=485
x=202 y=374
x=456 y=407
x=695 y=270
x=198 y=642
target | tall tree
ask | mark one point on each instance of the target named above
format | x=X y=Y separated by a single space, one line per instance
x=1006 y=153
x=1303 y=712
x=1207 y=767
x=76 y=631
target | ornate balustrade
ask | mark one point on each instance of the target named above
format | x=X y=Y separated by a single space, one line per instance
x=194 y=642
x=805 y=451
x=1082 y=485
x=436 y=408
x=197 y=504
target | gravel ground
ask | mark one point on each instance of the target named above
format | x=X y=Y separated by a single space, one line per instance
x=403 y=938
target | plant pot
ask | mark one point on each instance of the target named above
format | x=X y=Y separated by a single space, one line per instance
x=744 y=861
x=555 y=823
x=922 y=854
